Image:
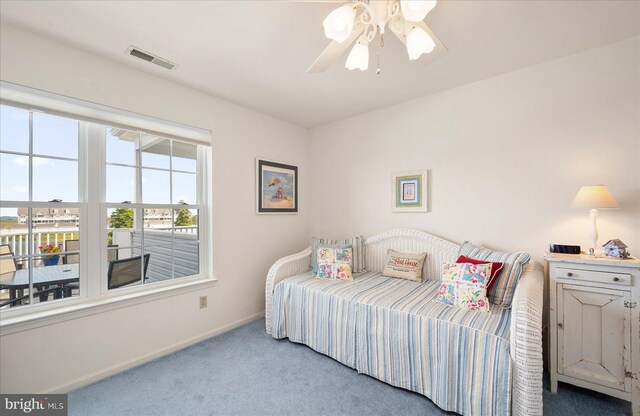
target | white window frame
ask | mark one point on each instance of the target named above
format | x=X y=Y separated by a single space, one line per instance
x=201 y=195
x=30 y=205
x=93 y=254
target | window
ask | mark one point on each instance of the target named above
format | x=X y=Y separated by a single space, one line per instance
x=149 y=198
x=152 y=207
x=40 y=163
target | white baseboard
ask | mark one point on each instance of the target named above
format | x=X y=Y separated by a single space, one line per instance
x=108 y=372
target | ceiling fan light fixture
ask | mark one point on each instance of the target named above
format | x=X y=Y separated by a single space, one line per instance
x=358 y=57
x=360 y=22
x=416 y=10
x=339 y=23
x=419 y=42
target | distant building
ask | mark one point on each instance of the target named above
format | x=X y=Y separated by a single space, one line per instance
x=153 y=217
x=50 y=216
x=157 y=217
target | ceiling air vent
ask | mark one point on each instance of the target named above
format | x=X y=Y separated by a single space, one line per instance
x=139 y=53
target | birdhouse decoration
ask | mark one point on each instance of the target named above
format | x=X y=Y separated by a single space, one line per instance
x=616 y=248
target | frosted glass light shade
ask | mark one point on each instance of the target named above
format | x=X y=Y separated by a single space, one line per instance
x=419 y=42
x=358 y=58
x=339 y=23
x=416 y=10
x=594 y=197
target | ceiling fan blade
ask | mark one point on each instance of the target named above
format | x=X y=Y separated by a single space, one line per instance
x=438 y=52
x=334 y=51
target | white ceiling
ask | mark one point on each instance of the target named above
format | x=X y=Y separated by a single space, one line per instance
x=255 y=53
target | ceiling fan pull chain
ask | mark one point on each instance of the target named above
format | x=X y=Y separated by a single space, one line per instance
x=382 y=46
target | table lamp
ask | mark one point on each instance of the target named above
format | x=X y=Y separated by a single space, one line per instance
x=594 y=197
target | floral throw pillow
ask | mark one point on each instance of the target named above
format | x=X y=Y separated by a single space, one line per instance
x=356 y=243
x=334 y=263
x=465 y=285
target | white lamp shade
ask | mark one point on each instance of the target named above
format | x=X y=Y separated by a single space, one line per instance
x=594 y=197
x=358 y=58
x=416 y=10
x=339 y=23
x=419 y=42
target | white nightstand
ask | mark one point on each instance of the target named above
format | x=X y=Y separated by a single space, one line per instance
x=594 y=324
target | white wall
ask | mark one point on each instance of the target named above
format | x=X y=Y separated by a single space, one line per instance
x=506 y=156
x=244 y=247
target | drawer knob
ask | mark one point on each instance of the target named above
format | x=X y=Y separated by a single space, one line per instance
x=569 y=274
x=616 y=279
x=560 y=325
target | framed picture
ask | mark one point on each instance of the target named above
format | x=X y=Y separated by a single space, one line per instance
x=277 y=187
x=410 y=191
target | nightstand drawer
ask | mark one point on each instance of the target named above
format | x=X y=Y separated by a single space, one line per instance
x=593 y=276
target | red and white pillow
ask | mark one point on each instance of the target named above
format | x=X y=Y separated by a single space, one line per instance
x=496 y=268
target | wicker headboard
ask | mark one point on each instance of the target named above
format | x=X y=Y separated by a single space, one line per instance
x=438 y=250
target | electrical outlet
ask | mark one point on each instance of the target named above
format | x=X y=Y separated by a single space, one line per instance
x=203 y=302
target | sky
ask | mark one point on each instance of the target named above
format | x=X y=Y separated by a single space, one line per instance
x=58 y=179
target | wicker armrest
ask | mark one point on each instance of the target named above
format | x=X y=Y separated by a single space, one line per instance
x=526 y=343
x=285 y=267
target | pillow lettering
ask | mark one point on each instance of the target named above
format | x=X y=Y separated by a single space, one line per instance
x=404 y=265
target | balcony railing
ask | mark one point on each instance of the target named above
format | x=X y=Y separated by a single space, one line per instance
x=18 y=239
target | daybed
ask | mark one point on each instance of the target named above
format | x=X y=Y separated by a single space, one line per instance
x=392 y=329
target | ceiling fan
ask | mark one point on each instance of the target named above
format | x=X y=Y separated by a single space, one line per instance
x=360 y=21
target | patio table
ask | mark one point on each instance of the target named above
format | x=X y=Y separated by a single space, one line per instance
x=60 y=274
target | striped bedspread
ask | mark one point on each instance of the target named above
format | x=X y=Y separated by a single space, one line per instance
x=394 y=330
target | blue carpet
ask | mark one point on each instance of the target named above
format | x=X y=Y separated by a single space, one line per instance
x=246 y=372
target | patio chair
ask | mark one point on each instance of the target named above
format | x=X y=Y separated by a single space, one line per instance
x=71 y=245
x=112 y=255
x=126 y=271
x=7 y=262
x=74 y=245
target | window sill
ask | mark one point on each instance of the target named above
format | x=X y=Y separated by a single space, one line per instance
x=88 y=307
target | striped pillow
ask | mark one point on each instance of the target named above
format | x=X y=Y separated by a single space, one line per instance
x=356 y=243
x=503 y=289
